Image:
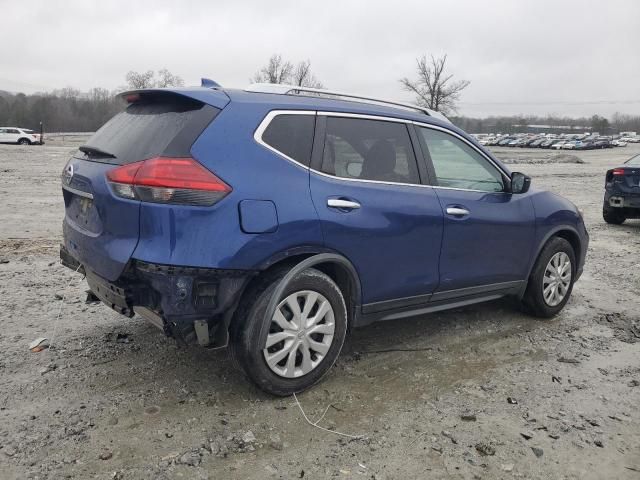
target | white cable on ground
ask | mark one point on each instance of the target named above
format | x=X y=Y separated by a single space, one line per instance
x=64 y=295
x=315 y=424
x=322 y=416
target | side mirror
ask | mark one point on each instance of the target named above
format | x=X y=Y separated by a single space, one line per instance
x=520 y=182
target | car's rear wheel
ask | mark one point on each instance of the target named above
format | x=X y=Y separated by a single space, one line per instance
x=293 y=349
x=551 y=281
x=24 y=141
x=612 y=215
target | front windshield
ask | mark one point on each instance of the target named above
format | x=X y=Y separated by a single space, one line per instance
x=634 y=160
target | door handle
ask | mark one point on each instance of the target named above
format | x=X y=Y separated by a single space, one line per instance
x=457 y=211
x=343 y=204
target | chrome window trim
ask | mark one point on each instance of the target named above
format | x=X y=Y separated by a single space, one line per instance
x=364 y=116
x=274 y=113
x=362 y=180
x=257 y=135
x=75 y=191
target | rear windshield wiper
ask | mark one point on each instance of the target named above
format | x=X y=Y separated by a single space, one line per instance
x=95 y=152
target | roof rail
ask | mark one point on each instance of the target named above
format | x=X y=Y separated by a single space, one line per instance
x=283 y=89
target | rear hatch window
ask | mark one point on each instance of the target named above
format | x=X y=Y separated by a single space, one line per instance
x=156 y=124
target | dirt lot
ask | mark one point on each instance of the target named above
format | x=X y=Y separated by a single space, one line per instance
x=113 y=398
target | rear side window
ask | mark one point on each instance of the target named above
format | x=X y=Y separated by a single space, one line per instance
x=369 y=150
x=291 y=135
x=158 y=125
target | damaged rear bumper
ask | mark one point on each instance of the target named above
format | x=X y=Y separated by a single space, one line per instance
x=627 y=204
x=187 y=303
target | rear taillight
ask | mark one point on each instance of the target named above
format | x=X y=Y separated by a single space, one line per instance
x=618 y=171
x=180 y=181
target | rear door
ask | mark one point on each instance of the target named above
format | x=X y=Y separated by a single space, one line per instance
x=12 y=135
x=373 y=209
x=101 y=230
x=488 y=232
x=3 y=135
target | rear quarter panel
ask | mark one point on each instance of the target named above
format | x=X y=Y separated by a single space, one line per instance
x=212 y=236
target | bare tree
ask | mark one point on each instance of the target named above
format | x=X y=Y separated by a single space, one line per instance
x=137 y=80
x=303 y=77
x=275 y=71
x=67 y=93
x=434 y=88
x=99 y=95
x=168 y=79
x=283 y=71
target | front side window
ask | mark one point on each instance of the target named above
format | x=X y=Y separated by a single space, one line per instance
x=363 y=149
x=291 y=135
x=457 y=165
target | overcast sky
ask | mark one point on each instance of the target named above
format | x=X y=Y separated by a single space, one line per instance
x=539 y=56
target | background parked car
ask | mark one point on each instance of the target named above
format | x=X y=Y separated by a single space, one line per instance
x=20 y=136
x=622 y=192
x=585 y=145
x=602 y=143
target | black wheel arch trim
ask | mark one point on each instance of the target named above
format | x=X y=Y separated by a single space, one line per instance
x=314 y=260
x=302 y=250
x=553 y=233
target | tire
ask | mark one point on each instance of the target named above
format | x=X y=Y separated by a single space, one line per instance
x=24 y=141
x=611 y=215
x=303 y=366
x=534 y=299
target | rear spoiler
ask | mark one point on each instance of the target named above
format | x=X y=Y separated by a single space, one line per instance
x=215 y=98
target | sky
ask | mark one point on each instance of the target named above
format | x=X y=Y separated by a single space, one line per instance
x=540 y=57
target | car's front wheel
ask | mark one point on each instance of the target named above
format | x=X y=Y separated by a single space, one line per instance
x=292 y=349
x=551 y=280
x=24 y=141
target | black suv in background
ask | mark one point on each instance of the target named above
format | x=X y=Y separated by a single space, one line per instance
x=622 y=192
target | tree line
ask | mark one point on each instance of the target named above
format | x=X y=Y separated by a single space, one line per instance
x=70 y=110
x=618 y=122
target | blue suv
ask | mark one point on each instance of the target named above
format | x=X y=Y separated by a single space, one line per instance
x=275 y=219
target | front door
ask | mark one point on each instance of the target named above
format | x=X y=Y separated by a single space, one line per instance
x=488 y=232
x=373 y=209
x=12 y=135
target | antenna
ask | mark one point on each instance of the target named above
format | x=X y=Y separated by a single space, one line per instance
x=208 y=83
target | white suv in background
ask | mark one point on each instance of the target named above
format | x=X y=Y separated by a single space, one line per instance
x=21 y=136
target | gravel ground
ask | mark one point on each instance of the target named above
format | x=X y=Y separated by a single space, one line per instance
x=480 y=392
